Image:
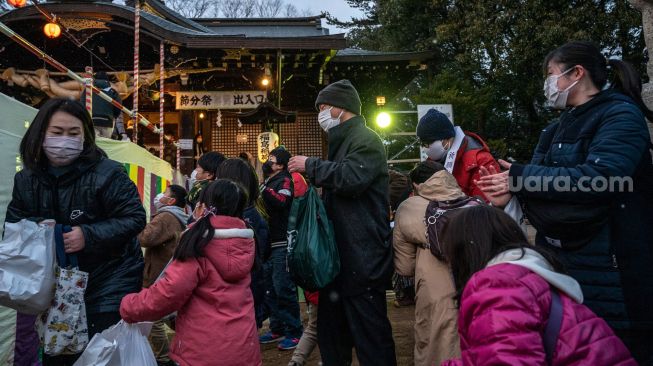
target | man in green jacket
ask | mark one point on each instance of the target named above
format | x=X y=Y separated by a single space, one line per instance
x=354 y=180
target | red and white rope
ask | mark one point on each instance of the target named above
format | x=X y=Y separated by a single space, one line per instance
x=178 y=157
x=161 y=99
x=88 y=90
x=137 y=27
x=71 y=74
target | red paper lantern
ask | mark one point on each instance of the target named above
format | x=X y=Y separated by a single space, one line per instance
x=17 y=3
x=52 y=30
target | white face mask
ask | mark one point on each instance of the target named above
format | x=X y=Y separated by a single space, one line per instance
x=557 y=98
x=192 y=179
x=62 y=150
x=436 y=151
x=326 y=121
x=157 y=201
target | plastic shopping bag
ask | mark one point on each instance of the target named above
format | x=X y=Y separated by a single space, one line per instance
x=122 y=344
x=63 y=328
x=313 y=258
x=27 y=275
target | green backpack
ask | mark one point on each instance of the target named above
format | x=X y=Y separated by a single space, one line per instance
x=313 y=259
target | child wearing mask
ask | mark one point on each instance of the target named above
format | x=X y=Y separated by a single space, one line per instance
x=207 y=283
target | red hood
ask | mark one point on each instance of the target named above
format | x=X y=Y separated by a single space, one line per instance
x=230 y=251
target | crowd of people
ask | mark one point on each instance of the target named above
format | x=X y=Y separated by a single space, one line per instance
x=216 y=257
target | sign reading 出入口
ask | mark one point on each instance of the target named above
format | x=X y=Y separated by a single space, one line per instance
x=247 y=99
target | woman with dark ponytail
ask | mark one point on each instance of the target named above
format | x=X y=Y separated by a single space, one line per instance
x=207 y=283
x=588 y=189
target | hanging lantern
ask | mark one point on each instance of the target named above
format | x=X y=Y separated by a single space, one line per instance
x=17 y=3
x=266 y=142
x=52 y=30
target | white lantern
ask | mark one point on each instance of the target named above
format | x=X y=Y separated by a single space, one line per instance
x=266 y=142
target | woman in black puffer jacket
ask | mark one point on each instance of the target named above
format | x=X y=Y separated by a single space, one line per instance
x=66 y=177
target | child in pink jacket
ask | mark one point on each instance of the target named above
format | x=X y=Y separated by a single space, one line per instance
x=505 y=289
x=207 y=283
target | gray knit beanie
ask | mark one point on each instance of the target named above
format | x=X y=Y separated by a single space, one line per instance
x=340 y=94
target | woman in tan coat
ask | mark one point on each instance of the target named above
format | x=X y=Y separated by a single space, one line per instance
x=436 y=336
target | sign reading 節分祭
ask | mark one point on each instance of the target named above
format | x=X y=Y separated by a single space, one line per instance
x=248 y=99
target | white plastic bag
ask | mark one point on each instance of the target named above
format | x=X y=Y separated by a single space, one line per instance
x=121 y=345
x=27 y=257
x=513 y=209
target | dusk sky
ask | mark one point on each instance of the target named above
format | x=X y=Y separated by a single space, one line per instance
x=337 y=8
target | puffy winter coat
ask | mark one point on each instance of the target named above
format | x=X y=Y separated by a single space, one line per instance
x=436 y=336
x=95 y=194
x=215 y=321
x=278 y=195
x=472 y=155
x=605 y=137
x=160 y=238
x=355 y=188
x=299 y=185
x=504 y=311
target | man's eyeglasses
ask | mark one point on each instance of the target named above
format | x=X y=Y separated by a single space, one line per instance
x=425 y=143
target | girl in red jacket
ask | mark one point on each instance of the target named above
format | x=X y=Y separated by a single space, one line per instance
x=207 y=283
x=516 y=307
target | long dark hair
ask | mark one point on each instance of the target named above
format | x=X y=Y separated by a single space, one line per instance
x=240 y=171
x=31 y=146
x=622 y=77
x=222 y=197
x=477 y=234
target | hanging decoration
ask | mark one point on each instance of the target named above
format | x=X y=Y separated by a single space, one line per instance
x=17 y=3
x=218 y=119
x=78 y=79
x=52 y=30
x=266 y=142
x=240 y=124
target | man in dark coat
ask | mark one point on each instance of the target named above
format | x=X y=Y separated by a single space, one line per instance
x=354 y=179
x=104 y=113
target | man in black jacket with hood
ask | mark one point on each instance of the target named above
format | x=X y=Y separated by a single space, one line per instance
x=352 y=311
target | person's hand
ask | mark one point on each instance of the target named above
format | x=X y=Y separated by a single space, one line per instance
x=492 y=181
x=297 y=164
x=73 y=241
x=495 y=185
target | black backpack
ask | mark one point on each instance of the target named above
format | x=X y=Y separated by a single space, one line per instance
x=436 y=217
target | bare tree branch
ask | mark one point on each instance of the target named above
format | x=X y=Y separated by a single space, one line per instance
x=194 y=9
x=290 y=10
x=269 y=8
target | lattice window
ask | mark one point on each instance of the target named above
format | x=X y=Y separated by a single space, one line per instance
x=304 y=137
